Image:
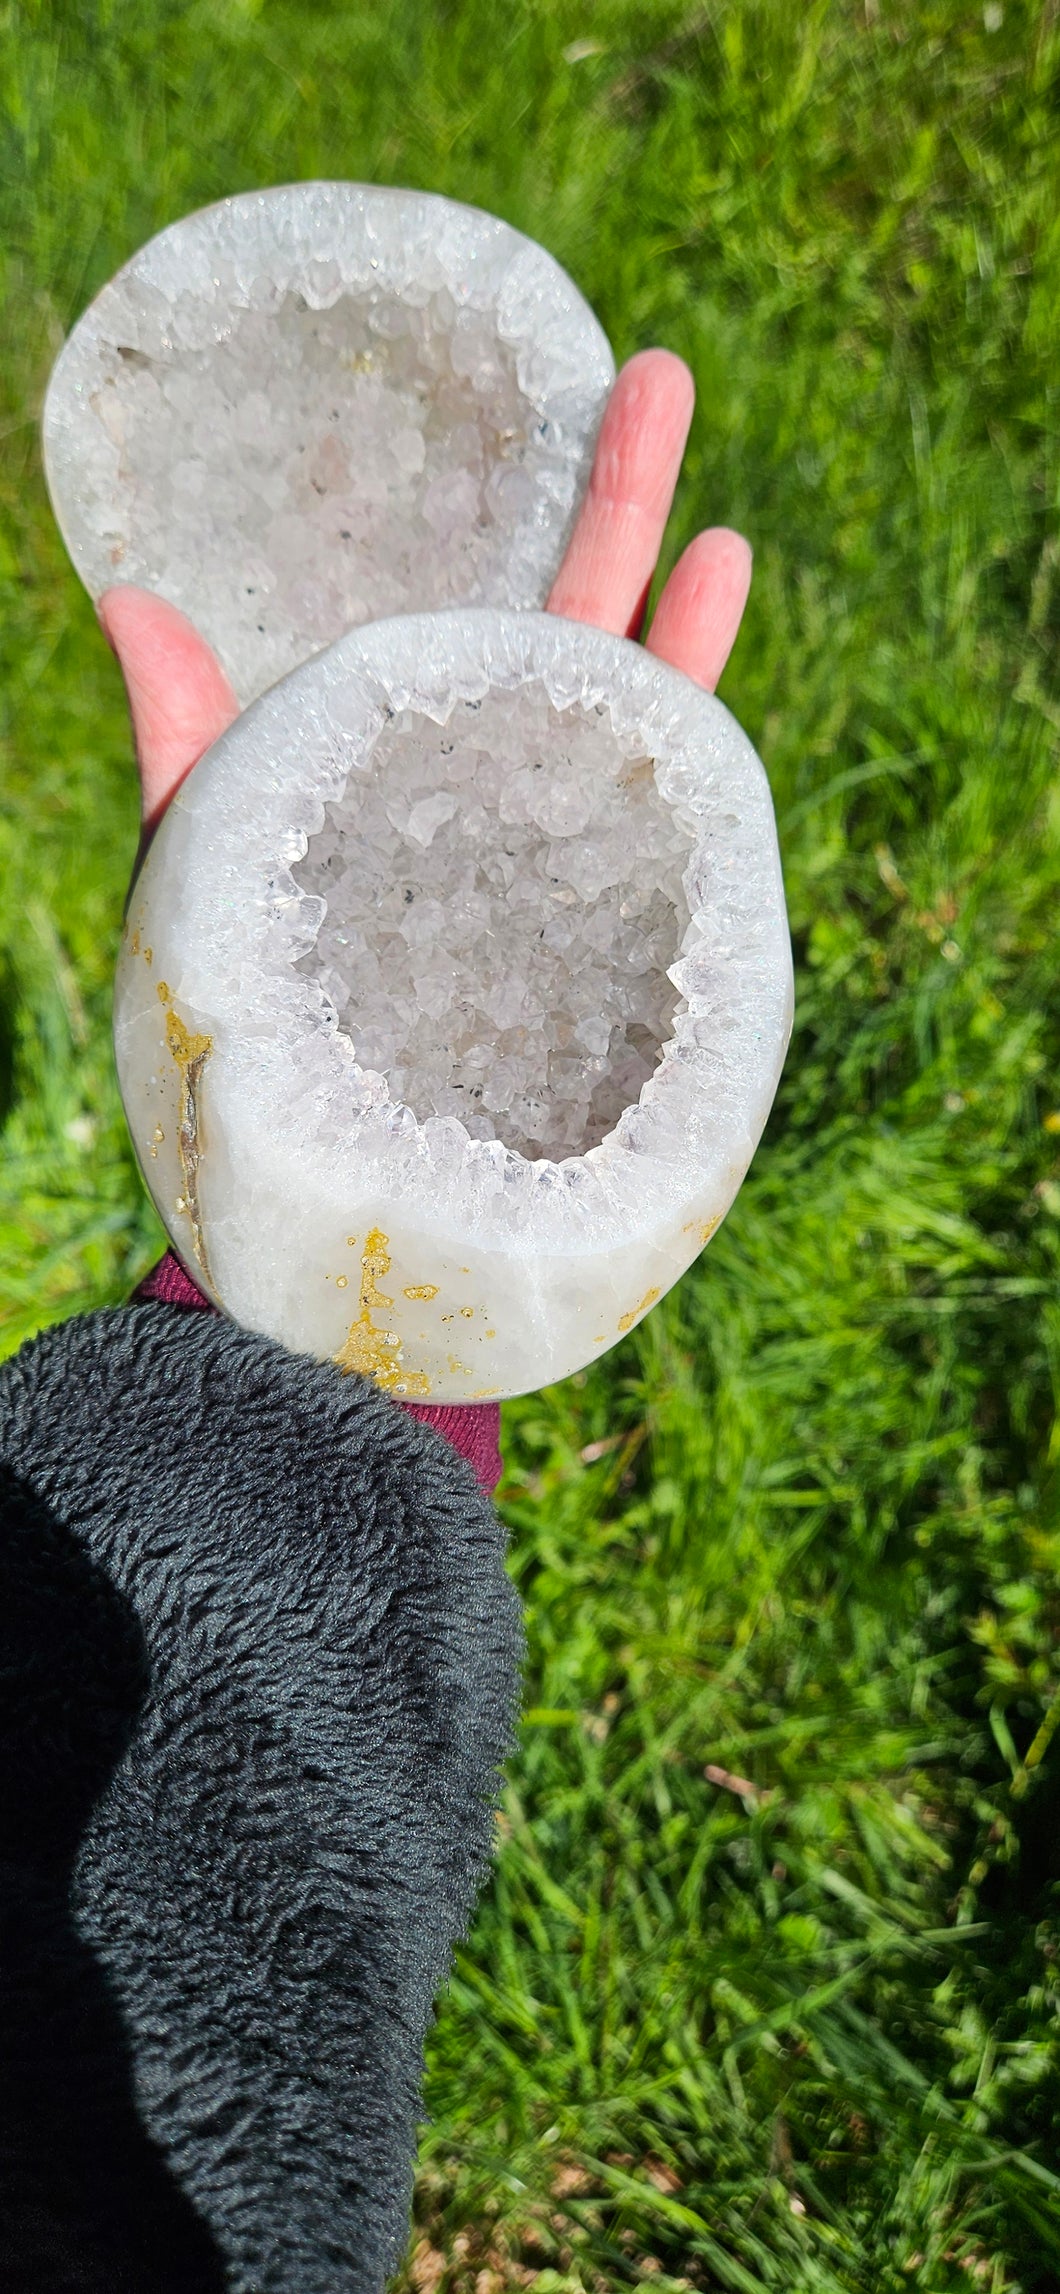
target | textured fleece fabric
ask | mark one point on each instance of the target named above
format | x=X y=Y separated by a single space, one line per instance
x=473 y=1428
x=258 y=1665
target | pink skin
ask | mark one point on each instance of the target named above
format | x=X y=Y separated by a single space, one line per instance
x=180 y=698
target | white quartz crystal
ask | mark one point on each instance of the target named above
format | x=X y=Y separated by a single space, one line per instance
x=454 y=994
x=503 y=897
x=308 y=407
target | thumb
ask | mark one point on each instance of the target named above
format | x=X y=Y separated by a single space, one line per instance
x=179 y=696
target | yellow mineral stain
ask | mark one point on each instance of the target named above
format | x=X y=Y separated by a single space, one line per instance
x=351 y=1242
x=375 y=1262
x=482 y=1393
x=377 y=1353
x=426 y=1290
x=162 y=992
x=342 y=1282
x=491 y=1334
x=458 y=1369
x=149 y=955
x=158 y=1135
x=191 y=1053
x=135 y=943
x=702 y=1229
x=626 y=1321
x=467 y=1312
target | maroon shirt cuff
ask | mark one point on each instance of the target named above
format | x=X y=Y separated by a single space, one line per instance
x=473 y=1428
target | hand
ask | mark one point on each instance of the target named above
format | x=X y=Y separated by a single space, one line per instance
x=181 y=700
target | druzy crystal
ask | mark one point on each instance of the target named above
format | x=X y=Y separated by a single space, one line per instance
x=308 y=407
x=503 y=895
x=454 y=994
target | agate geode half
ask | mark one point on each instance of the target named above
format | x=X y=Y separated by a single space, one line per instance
x=308 y=407
x=454 y=994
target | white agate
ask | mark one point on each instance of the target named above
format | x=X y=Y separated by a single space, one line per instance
x=312 y=406
x=511 y=771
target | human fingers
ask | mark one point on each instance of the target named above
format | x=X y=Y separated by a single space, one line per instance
x=610 y=560
x=179 y=696
x=696 y=620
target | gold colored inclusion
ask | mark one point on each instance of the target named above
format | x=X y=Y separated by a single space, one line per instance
x=191 y=1053
x=377 y=1353
x=375 y=1262
x=426 y=1290
x=626 y=1321
x=702 y=1229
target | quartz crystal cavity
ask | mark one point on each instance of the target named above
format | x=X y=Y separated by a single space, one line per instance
x=503 y=896
x=454 y=994
x=309 y=407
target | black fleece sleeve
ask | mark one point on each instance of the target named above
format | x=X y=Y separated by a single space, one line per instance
x=258 y=1668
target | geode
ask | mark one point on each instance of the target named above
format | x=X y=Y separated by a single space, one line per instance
x=307 y=407
x=454 y=994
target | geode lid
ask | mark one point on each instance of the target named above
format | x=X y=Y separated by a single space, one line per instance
x=308 y=407
x=454 y=994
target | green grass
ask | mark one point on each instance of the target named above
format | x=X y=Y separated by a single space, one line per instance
x=802 y=2035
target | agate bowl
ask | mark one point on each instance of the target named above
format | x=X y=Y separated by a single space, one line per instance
x=461 y=1147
